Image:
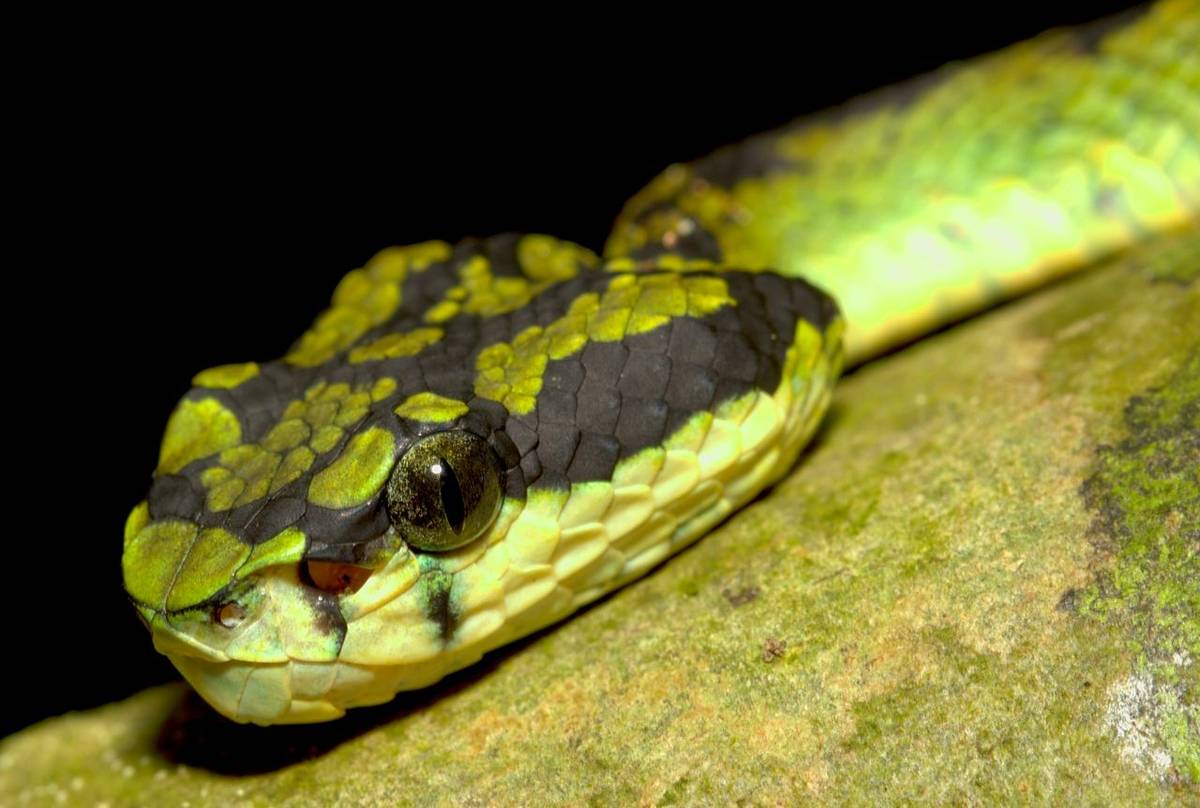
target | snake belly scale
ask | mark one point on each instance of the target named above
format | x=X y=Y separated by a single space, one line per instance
x=475 y=440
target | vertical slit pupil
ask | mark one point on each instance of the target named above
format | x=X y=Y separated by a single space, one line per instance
x=452 y=497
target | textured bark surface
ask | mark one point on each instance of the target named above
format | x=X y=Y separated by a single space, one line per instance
x=978 y=586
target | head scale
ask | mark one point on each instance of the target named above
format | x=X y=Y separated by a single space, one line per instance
x=407 y=428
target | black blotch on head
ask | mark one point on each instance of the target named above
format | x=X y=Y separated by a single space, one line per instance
x=655 y=341
x=597 y=406
x=553 y=481
x=769 y=373
x=735 y=359
x=436 y=585
x=522 y=430
x=603 y=362
x=501 y=252
x=676 y=420
x=338 y=535
x=645 y=375
x=692 y=341
x=172 y=495
x=531 y=468
x=557 y=447
x=636 y=392
x=444 y=377
x=504 y=447
x=565 y=375
x=556 y=407
x=690 y=388
x=641 y=424
x=273 y=517
x=729 y=389
x=595 y=458
x=492 y=412
x=329 y=619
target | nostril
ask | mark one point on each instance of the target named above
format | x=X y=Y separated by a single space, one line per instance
x=230 y=615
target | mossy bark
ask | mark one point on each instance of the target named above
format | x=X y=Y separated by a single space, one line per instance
x=980 y=585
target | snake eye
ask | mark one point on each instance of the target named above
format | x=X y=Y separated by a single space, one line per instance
x=445 y=491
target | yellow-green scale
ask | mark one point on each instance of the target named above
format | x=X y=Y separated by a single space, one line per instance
x=995 y=177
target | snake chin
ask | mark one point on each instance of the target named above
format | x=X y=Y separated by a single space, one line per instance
x=247 y=692
x=299 y=692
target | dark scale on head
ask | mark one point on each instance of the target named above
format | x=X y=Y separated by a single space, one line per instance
x=595 y=407
x=501 y=252
x=276 y=515
x=329 y=619
x=635 y=393
x=594 y=459
x=599 y=404
x=174 y=496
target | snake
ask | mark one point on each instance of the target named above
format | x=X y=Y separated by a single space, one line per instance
x=477 y=439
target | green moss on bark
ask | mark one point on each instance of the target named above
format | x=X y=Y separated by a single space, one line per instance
x=1146 y=498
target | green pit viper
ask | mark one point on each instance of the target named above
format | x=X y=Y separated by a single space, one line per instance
x=477 y=439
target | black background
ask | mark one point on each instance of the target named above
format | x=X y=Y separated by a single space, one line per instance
x=192 y=205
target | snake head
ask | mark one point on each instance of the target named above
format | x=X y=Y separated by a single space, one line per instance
x=459 y=451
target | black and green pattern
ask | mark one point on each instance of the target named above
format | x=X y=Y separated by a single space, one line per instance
x=476 y=439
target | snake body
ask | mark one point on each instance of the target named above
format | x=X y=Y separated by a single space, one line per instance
x=475 y=440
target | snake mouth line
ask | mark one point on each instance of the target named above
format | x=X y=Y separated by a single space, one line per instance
x=175 y=643
x=285 y=692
